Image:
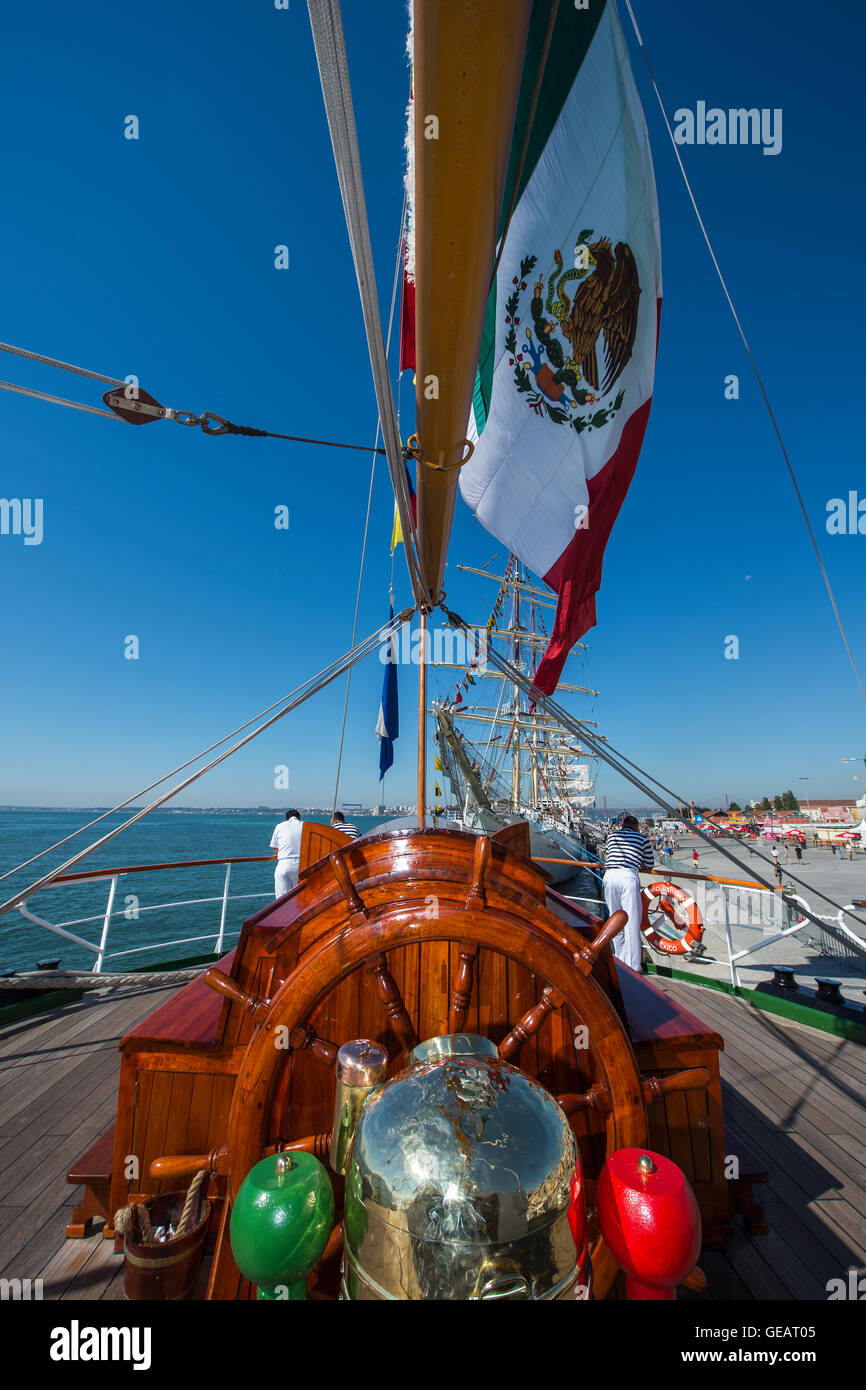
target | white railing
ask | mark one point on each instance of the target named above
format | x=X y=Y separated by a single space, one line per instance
x=734 y=913
x=110 y=914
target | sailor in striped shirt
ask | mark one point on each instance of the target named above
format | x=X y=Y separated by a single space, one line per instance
x=626 y=852
x=339 y=822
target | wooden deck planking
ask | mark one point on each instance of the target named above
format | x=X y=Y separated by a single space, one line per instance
x=795 y=1097
x=786 y=1111
x=58 y=1092
x=843 y=1094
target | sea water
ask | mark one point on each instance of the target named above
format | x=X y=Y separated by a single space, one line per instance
x=145 y=914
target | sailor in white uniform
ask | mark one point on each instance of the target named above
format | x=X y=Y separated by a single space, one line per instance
x=286 y=844
x=626 y=852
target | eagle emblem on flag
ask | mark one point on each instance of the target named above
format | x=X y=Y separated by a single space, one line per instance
x=556 y=360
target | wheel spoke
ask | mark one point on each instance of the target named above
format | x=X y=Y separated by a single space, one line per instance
x=530 y=1023
x=462 y=991
x=596 y=1098
x=695 y=1079
x=391 y=997
x=319 y=1145
x=306 y=1037
x=227 y=987
x=585 y=957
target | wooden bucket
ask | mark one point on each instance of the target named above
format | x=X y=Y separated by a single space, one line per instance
x=165 y=1271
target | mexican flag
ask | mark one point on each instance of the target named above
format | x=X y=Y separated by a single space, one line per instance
x=565 y=376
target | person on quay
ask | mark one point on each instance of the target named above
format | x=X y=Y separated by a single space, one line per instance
x=286 y=844
x=626 y=852
x=339 y=822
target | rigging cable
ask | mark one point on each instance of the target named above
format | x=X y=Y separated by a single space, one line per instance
x=329 y=41
x=619 y=763
x=144 y=790
x=310 y=687
x=64 y=366
x=148 y=410
x=369 y=504
x=751 y=358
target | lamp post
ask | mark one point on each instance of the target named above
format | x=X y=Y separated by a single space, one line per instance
x=808 y=807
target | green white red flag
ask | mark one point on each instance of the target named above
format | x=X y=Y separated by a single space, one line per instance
x=565 y=375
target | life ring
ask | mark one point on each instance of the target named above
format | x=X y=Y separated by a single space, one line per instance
x=676 y=905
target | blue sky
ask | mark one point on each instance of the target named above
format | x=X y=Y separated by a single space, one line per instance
x=156 y=257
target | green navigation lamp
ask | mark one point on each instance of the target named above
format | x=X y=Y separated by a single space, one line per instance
x=281 y=1222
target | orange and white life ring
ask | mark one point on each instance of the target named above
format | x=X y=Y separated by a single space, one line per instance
x=681 y=910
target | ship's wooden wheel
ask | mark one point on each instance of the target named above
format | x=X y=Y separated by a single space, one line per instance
x=618 y=1092
x=496 y=915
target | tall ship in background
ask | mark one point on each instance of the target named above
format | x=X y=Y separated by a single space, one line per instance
x=503 y=758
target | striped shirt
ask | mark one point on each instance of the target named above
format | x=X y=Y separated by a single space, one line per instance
x=628 y=849
x=348 y=829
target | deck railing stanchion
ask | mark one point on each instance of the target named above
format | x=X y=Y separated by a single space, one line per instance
x=735 y=979
x=225 y=903
x=106 y=923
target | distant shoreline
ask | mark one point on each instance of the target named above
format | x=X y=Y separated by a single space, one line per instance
x=187 y=810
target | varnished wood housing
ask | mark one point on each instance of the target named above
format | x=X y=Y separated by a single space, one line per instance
x=478 y=927
x=179 y=1065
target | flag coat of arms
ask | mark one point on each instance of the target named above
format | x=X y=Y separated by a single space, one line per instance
x=565 y=376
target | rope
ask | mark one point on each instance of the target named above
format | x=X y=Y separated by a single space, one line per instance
x=317 y=683
x=64 y=366
x=225 y=426
x=295 y=438
x=191 y=1195
x=610 y=755
x=329 y=40
x=80 y=979
x=144 y=790
x=57 y=400
x=751 y=358
x=397 y=266
x=355 y=627
x=124 y=1223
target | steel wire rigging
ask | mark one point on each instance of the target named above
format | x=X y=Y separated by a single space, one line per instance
x=641 y=779
x=742 y=332
x=289 y=703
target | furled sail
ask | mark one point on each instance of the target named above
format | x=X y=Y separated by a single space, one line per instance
x=565 y=375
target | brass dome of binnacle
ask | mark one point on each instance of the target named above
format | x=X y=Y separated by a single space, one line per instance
x=460 y=1183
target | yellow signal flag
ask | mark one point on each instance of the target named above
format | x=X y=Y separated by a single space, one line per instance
x=397 y=532
x=438 y=789
x=437 y=763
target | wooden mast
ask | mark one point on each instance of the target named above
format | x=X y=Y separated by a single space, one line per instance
x=422 y=724
x=468 y=57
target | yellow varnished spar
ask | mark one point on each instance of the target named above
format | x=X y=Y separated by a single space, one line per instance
x=468 y=56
